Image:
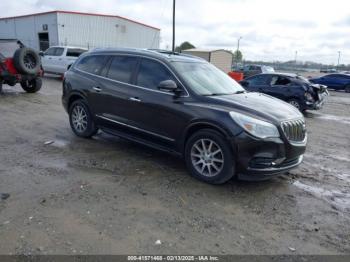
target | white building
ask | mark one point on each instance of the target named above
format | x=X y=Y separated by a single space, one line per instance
x=42 y=30
x=221 y=58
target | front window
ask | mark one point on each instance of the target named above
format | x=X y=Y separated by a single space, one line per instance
x=206 y=79
x=151 y=73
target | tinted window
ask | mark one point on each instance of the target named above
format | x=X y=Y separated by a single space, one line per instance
x=75 y=52
x=92 y=64
x=259 y=80
x=151 y=73
x=121 y=68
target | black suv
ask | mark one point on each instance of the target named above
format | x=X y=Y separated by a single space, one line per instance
x=186 y=106
x=294 y=89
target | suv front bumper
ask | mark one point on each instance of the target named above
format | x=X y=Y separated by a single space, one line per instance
x=259 y=159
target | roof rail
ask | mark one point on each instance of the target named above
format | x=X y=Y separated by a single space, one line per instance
x=167 y=52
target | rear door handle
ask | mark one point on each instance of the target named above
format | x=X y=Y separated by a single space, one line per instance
x=135 y=99
x=97 y=89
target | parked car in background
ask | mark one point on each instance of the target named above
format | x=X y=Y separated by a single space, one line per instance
x=186 y=106
x=334 y=81
x=294 y=89
x=19 y=64
x=328 y=70
x=58 y=59
x=250 y=70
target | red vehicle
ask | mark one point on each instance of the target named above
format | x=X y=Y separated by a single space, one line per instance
x=19 y=64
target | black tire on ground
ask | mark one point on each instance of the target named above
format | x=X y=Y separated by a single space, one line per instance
x=296 y=104
x=27 y=61
x=347 y=89
x=32 y=86
x=78 y=113
x=227 y=167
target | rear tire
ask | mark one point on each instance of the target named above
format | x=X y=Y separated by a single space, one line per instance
x=347 y=89
x=80 y=119
x=32 y=86
x=202 y=161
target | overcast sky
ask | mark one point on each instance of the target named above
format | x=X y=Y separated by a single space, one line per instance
x=271 y=29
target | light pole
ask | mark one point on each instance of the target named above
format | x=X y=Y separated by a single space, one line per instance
x=174 y=4
x=295 y=58
x=338 y=59
x=237 y=52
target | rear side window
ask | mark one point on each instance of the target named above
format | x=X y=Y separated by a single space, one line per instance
x=75 y=52
x=92 y=64
x=151 y=73
x=280 y=81
x=121 y=68
x=259 y=80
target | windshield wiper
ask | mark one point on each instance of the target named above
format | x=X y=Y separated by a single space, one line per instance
x=240 y=92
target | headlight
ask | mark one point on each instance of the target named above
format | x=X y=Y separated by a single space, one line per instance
x=309 y=97
x=256 y=127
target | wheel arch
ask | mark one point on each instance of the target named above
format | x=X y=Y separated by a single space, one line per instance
x=197 y=126
x=74 y=97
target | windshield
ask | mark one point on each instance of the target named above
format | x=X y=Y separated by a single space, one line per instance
x=206 y=79
x=304 y=79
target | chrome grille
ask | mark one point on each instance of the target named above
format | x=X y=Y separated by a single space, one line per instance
x=294 y=130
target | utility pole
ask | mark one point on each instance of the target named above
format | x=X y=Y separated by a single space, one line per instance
x=239 y=39
x=295 y=58
x=174 y=4
x=338 y=59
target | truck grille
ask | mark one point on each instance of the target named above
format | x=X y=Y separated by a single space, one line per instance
x=294 y=130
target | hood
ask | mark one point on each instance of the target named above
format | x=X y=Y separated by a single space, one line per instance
x=318 y=87
x=257 y=104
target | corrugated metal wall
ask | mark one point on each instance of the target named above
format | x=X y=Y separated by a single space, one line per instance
x=80 y=30
x=27 y=28
x=101 y=31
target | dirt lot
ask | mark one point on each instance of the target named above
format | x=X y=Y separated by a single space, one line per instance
x=110 y=196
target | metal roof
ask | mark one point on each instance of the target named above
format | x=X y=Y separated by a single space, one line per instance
x=80 y=13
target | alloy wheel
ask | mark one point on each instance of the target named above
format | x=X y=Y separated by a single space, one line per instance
x=79 y=119
x=295 y=104
x=207 y=157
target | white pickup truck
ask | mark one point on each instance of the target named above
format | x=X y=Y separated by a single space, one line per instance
x=58 y=59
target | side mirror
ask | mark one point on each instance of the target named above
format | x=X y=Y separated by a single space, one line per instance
x=168 y=86
x=244 y=83
x=41 y=53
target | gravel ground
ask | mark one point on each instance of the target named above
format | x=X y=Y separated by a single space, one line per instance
x=110 y=196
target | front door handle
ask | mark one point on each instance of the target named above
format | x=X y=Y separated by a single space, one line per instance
x=97 y=89
x=135 y=99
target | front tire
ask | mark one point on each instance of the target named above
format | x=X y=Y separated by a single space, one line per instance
x=81 y=120
x=296 y=104
x=347 y=89
x=209 y=157
x=32 y=86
